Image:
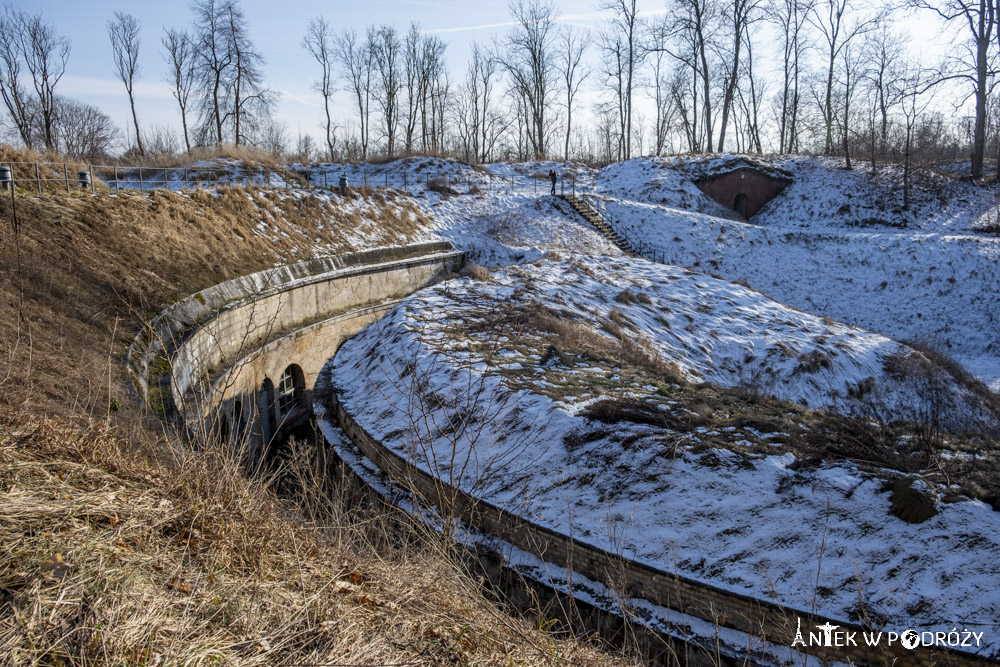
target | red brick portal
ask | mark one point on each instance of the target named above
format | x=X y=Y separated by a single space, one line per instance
x=742 y=190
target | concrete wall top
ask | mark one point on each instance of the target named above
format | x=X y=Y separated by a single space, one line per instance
x=174 y=321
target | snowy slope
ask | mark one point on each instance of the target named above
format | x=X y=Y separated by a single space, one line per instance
x=478 y=410
x=930 y=280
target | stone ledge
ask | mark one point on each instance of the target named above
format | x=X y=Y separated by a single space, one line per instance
x=772 y=622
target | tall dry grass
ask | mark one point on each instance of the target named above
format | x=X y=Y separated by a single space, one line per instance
x=145 y=551
x=120 y=542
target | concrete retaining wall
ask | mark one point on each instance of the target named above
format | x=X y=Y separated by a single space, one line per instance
x=217 y=358
x=757 y=618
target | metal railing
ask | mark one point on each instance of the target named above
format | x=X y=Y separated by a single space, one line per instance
x=79 y=176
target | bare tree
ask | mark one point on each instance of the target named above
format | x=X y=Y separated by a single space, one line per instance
x=851 y=62
x=125 y=42
x=692 y=25
x=181 y=76
x=626 y=26
x=572 y=46
x=883 y=71
x=233 y=101
x=27 y=41
x=12 y=57
x=976 y=65
x=274 y=138
x=741 y=14
x=529 y=63
x=251 y=100
x=413 y=65
x=750 y=97
x=839 y=22
x=789 y=17
x=386 y=49
x=440 y=99
x=482 y=123
x=915 y=100
x=319 y=41
x=357 y=61
x=655 y=45
x=213 y=58
x=613 y=57
x=83 y=131
x=429 y=87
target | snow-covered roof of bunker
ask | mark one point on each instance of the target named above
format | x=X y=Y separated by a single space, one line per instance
x=706 y=170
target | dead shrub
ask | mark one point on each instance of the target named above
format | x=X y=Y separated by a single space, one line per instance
x=625 y=297
x=441 y=185
x=476 y=272
x=812 y=362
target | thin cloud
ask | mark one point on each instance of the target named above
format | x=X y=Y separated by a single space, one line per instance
x=469 y=28
x=84 y=87
x=580 y=19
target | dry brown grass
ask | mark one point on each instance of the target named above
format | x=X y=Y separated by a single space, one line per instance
x=119 y=543
x=92 y=267
x=162 y=555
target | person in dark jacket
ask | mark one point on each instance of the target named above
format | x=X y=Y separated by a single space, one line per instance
x=553 y=177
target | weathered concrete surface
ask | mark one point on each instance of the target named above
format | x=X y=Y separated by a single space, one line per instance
x=169 y=327
x=230 y=346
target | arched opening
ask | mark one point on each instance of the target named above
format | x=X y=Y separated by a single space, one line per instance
x=291 y=391
x=238 y=419
x=740 y=204
x=266 y=408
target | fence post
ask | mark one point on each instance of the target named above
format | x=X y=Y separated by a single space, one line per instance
x=66 y=175
x=90 y=168
x=117 y=188
x=386 y=179
x=38 y=180
x=140 y=179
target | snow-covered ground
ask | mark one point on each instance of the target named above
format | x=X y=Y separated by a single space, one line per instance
x=448 y=380
x=834 y=243
x=734 y=504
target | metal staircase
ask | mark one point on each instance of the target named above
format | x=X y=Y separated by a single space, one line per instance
x=591 y=215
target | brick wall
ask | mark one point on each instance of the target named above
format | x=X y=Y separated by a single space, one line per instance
x=756 y=187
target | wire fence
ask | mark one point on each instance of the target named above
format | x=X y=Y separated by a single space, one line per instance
x=42 y=177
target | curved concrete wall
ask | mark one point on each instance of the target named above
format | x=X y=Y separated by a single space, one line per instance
x=227 y=344
x=757 y=618
x=218 y=356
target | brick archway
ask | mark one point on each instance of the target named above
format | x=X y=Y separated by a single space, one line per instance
x=743 y=190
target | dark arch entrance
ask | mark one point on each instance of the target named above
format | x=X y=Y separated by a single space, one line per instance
x=291 y=392
x=740 y=205
x=266 y=409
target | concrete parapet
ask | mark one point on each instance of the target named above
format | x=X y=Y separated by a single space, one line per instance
x=223 y=358
x=758 y=618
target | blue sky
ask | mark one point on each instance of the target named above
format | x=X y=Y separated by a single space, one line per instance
x=277 y=29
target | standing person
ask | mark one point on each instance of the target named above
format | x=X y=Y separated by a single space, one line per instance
x=552 y=177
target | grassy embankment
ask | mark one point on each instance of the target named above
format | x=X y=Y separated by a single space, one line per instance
x=121 y=544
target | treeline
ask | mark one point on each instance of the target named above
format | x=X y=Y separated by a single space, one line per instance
x=820 y=76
